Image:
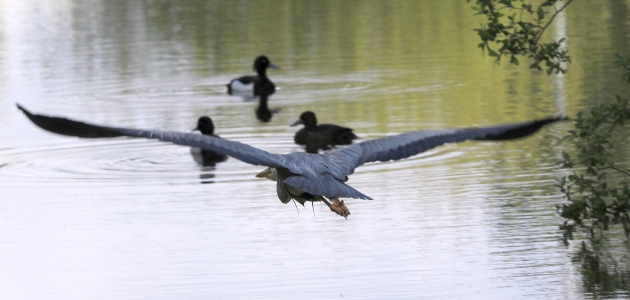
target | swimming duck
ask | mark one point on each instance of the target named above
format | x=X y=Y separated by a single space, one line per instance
x=255 y=84
x=206 y=158
x=323 y=136
x=305 y=176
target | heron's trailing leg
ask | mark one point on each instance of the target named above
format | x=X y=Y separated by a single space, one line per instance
x=337 y=206
x=296 y=207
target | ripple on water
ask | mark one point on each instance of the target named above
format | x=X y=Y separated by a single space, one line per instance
x=127 y=161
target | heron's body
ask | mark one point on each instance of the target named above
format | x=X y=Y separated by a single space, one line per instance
x=287 y=192
x=302 y=175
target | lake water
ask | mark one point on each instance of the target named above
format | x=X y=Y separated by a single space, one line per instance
x=135 y=219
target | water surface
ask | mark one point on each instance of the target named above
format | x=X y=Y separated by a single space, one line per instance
x=128 y=219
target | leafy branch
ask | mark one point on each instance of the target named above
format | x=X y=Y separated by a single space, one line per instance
x=598 y=188
x=592 y=195
x=624 y=63
x=519 y=37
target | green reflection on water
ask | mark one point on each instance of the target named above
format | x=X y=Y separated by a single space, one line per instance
x=379 y=66
x=417 y=60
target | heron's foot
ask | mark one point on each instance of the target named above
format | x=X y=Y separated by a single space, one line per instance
x=339 y=208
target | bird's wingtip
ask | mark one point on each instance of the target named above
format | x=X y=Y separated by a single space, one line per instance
x=563 y=118
x=24 y=110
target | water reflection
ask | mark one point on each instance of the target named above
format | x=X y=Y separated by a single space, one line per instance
x=604 y=275
x=132 y=219
x=244 y=96
x=263 y=113
x=207 y=175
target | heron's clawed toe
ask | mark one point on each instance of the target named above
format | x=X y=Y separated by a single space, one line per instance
x=339 y=208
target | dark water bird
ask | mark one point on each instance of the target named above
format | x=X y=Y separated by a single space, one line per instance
x=206 y=158
x=320 y=137
x=306 y=176
x=255 y=84
x=263 y=113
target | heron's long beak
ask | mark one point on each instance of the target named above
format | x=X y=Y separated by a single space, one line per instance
x=264 y=173
x=298 y=122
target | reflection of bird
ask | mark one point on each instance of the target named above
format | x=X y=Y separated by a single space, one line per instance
x=263 y=113
x=255 y=84
x=207 y=177
x=305 y=176
x=204 y=157
x=323 y=136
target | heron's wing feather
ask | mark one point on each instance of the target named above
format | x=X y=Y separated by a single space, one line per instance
x=238 y=150
x=411 y=143
x=325 y=185
x=234 y=149
x=68 y=127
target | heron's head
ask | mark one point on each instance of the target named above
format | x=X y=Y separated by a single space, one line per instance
x=269 y=173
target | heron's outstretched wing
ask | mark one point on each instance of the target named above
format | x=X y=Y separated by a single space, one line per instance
x=411 y=143
x=68 y=127
x=234 y=149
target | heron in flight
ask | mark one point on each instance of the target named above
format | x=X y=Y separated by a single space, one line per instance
x=306 y=176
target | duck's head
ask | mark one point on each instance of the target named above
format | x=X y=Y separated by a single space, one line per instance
x=307 y=118
x=262 y=63
x=205 y=125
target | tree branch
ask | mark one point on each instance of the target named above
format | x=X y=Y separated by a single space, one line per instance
x=551 y=20
x=620 y=170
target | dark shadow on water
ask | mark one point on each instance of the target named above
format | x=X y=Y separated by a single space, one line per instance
x=262 y=91
x=207 y=175
x=263 y=113
x=207 y=158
